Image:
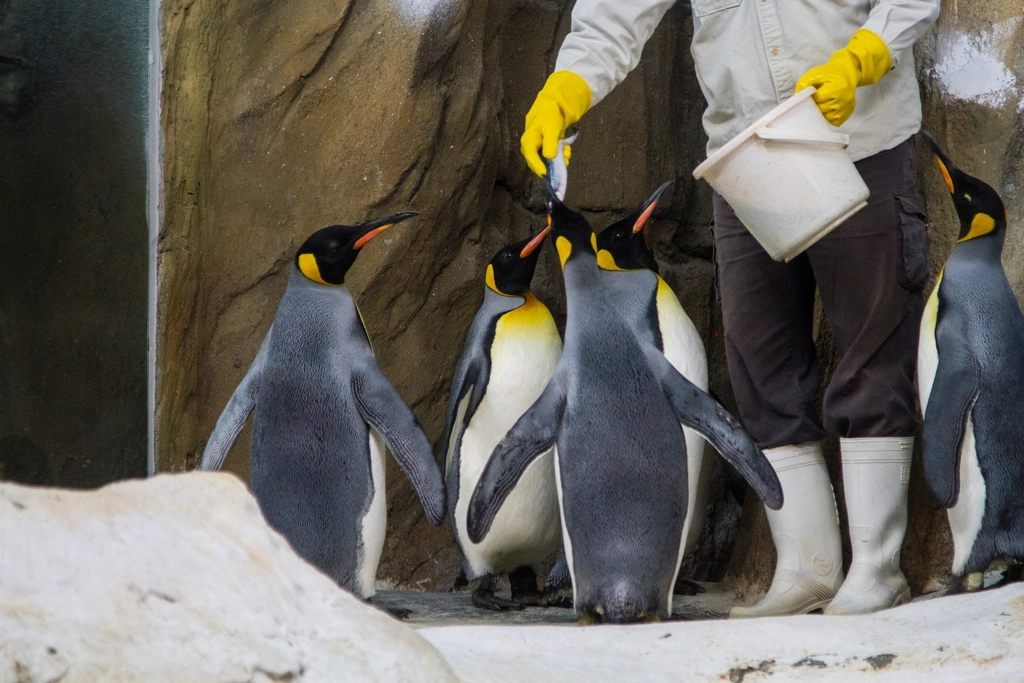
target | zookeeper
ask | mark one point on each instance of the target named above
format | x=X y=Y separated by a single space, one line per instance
x=751 y=55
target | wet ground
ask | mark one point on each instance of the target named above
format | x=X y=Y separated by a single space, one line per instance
x=420 y=610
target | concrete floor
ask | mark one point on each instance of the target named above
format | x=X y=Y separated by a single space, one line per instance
x=456 y=609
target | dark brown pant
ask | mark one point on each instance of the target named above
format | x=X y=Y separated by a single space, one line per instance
x=870 y=271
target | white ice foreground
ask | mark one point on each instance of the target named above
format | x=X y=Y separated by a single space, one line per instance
x=957 y=639
x=178 y=579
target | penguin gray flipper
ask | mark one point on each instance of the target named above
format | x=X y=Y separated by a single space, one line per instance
x=703 y=414
x=384 y=409
x=235 y=413
x=954 y=390
x=532 y=435
x=471 y=377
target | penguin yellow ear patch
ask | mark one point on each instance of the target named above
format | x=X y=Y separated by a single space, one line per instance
x=606 y=261
x=593 y=241
x=489 y=279
x=309 y=268
x=564 y=248
x=982 y=224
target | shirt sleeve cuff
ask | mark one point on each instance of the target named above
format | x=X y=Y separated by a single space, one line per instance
x=900 y=23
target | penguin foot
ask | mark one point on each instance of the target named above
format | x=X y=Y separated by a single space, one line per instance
x=488 y=600
x=973 y=582
x=399 y=613
x=528 y=599
x=460 y=581
x=1012 y=573
x=686 y=587
x=556 y=597
x=523 y=581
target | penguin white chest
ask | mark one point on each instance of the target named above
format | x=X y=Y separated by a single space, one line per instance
x=684 y=349
x=966 y=516
x=927 y=349
x=374 y=522
x=526 y=529
x=683 y=346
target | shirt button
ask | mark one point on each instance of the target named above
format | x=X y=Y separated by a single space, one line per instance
x=775 y=50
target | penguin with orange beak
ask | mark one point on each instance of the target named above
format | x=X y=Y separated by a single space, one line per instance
x=642 y=296
x=322 y=412
x=612 y=411
x=970 y=374
x=509 y=355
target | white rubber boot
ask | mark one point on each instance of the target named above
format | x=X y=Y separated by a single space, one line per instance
x=809 y=569
x=876 y=474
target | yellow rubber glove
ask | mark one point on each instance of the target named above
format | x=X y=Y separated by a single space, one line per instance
x=564 y=98
x=862 y=62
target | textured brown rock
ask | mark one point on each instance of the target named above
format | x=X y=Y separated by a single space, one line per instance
x=286 y=117
x=282 y=117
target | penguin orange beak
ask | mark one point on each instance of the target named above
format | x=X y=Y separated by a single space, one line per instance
x=375 y=228
x=532 y=245
x=942 y=161
x=649 y=207
x=945 y=175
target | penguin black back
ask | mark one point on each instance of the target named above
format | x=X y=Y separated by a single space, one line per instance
x=508 y=276
x=613 y=410
x=970 y=371
x=630 y=272
x=322 y=411
x=510 y=352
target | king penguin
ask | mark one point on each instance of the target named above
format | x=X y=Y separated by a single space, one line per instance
x=322 y=411
x=612 y=410
x=509 y=355
x=640 y=294
x=970 y=375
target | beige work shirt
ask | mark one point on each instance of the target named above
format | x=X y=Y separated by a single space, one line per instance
x=750 y=53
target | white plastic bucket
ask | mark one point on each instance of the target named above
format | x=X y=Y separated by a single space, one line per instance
x=788 y=177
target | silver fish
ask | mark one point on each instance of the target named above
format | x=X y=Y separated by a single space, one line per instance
x=558 y=170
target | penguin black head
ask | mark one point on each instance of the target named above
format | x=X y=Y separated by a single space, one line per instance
x=328 y=253
x=511 y=270
x=980 y=209
x=624 y=245
x=572 y=233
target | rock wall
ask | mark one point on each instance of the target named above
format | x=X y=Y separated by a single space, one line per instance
x=282 y=117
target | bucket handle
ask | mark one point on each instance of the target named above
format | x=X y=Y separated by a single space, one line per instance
x=766 y=133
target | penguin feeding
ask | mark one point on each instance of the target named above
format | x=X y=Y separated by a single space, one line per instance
x=970 y=375
x=612 y=411
x=322 y=412
x=640 y=295
x=509 y=355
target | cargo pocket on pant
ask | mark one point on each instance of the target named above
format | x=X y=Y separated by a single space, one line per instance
x=912 y=272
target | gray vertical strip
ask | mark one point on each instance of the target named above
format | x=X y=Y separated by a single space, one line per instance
x=154 y=210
